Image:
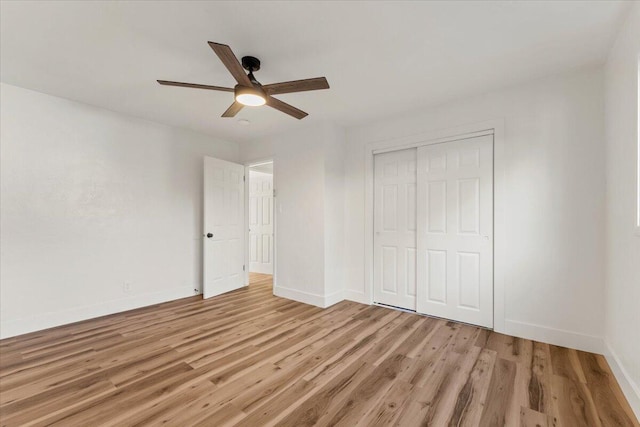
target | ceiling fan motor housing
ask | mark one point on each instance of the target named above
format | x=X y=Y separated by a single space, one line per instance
x=250 y=63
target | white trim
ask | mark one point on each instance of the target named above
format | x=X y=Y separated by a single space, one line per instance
x=414 y=143
x=630 y=389
x=333 y=298
x=262 y=163
x=260 y=269
x=500 y=202
x=637 y=224
x=355 y=296
x=496 y=127
x=559 y=337
x=446 y=134
x=50 y=320
x=318 y=300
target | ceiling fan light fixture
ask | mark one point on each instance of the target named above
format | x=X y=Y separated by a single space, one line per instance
x=249 y=96
x=249 y=91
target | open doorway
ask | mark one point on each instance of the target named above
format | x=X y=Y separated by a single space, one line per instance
x=261 y=223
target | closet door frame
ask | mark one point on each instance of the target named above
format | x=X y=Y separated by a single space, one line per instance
x=491 y=127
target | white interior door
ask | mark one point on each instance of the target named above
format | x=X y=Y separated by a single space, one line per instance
x=455 y=230
x=223 y=263
x=394 y=237
x=261 y=222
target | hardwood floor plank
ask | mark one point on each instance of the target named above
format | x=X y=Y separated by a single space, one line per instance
x=472 y=397
x=611 y=405
x=273 y=352
x=256 y=396
x=228 y=415
x=389 y=407
x=510 y=348
x=252 y=359
x=116 y=406
x=564 y=362
x=46 y=404
x=251 y=383
x=499 y=393
x=443 y=403
x=574 y=404
x=322 y=405
x=379 y=353
x=170 y=411
x=274 y=409
x=531 y=418
x=361 y=346
x=432 y=355
x=540 y=395
x=467 y=336
x=367 y=393
x=54 y=371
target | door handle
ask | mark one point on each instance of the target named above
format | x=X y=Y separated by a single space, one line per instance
x=209 y=235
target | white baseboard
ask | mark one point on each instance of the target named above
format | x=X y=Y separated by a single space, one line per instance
x=356 y=296
x=322 y=301
x=629 y=387
x=11 y=328
x=261 y=270
x=333 y=298
x=560 y=337
x=300 y=296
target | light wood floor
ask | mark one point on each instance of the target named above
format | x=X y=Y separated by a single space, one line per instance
x=249 y=358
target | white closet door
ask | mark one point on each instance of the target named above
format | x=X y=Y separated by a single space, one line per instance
x=223 y=264
x=261 y=222
x=455 y=230
x=395 y=229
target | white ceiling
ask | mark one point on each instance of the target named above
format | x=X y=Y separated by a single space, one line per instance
x=381 y=58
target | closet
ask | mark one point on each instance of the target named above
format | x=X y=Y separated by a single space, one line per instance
x=433 y=230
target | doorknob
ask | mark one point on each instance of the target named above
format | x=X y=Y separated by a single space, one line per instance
x=209 y=235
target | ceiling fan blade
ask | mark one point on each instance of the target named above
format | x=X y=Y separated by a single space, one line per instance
x=230 y=61
x=285 y=108
x=195 y=85
x=233 y=109
x=297 y=86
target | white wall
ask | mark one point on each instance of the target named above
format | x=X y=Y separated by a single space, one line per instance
x=555 y=195
x=623 y=247
x=91 y=199
x=298 y=168
x=309 y=211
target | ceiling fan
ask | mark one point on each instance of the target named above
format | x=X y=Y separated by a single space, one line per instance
x=249 y=91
